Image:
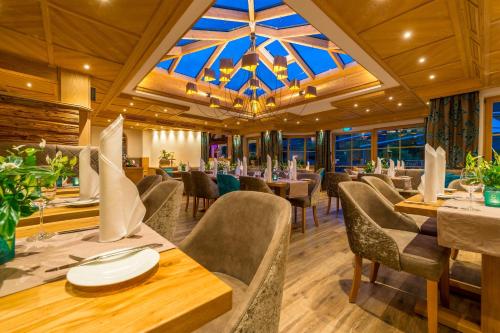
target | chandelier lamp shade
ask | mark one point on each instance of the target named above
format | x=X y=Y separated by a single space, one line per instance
x=310 y=92
x=238 y=102
x=250 y=61
x=254 y=100
x=294 y=85
x=208 y=75
x=224 y=77
x=226 y=65
x=270 y=102
x=214 y=102
x=191 y=88
x=254 y=84
x=282 y=75
x=279 y=64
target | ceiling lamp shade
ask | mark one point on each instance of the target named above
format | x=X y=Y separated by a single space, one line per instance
x=279 y=64
x=254 y=100
x=214 y=102
x=310 y=92
x=282 y=75
x=254 y=84
x=294 y=85
x=224 y=77
x=250 y=61
x=208 y=75
x=191 y=88
x=270 y=102
x=238 y=103
x=226 y=65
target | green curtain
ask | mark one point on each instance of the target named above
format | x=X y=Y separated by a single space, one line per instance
x=205 y=146
x=271 y=143
x=453 y=124
x=237 y=148
x=323 y=151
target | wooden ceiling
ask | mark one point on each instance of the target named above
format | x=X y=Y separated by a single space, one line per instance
x=456 y=38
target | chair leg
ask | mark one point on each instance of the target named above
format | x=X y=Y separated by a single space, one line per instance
x=374 y=271
x=195 y=205
x=187 y=204
x=338 y=204
x=329 y=205
x=454 y=254
x=356 y=280
x=444 y=286
x=432 y=306
x=303 y=219
x=295 y=212
x=315 y=216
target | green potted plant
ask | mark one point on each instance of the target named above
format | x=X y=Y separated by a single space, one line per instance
x=370 y=167
x=165 y=158
x=490 y=174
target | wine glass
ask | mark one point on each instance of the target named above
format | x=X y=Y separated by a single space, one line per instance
x=47 y=194
x=470 y=181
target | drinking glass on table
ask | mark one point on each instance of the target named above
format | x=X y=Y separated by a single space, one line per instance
x=470 y=181
x=47 y=194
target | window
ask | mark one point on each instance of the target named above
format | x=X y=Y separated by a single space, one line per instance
x=402 y=144
x=352 y=149
x=495 y=128
x=304 y=148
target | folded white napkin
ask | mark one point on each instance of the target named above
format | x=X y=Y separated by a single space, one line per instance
x=307 y=166
x=441 y=169
x=430 y=175
x=378 y=167
x=245 y=167
x=391 y=171
x=202 y=165
x=89 y=179
x=294 y=163
x=269 y=169
x=402 y=165
x=290 y=170
x=121 y=209
x=398 y=165
x=214 y=167
x=237 y=171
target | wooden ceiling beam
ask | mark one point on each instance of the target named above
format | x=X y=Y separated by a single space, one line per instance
x=313 y=42
x=47 y=31
x=173 y=65
x=217 y=35
x=272 y=13
x=226 y=15
x=211 y=60
x=251 y=15
x=169 y=105
x=303 y=30
x=302 y=64
x=337 y=60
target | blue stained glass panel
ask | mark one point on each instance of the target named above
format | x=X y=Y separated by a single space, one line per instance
x=266 y=4
x=183 y=42
x=166 y=64
x=217 y=25
x=276 y=49
x=346 y=59
x=295 y=72
x=238 y=80
x=260 y=92
x=267 y=77
x=239 y=5
x=319 y=36
x=319 y=61
x=191 y=64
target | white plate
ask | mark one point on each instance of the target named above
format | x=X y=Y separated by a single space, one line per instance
x=447 y=196
x=113 y=270
x=84 y=203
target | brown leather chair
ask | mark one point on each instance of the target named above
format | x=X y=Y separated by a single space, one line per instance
x=254 y=184
x=188 y=187
x=332 y=187
x=311 y=200
x=204 y=188
x=147 y=183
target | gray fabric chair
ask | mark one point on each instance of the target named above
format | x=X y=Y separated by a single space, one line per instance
x=455 y=184
x=204 y=188
x=332 y=180
x=160 y=172
x=384 y=177
x=375 y=232
x=162 y=204
x=254 y=184
x=312 y=199
x=147 y=183
x=415 y=174
x=243 y=238
x=426 y=225
x=188 y=187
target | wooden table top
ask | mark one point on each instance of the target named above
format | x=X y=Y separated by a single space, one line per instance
x=74 y=190
x=415 y=205
x=180 y=296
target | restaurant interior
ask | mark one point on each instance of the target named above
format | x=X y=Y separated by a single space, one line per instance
x=250 y=166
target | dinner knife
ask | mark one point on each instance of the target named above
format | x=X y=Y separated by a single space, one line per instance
x=105 y=256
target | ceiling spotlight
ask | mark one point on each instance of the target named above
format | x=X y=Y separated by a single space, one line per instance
x=421 y=60
x=124 y=109
x=109 y=120
x=391 y=98
x=407 y=34
x=428 y=103
x=191 y=88
x=237 y=123
x=165 y=110
x=156 y=115
x=86 y=67
x=29 y=85
x=285 y=119
x=225 y=125
x=310 y=92
x=206 y=122
x=317 y=119
x=355 y=105
x=400 y=104
x=367 y=110
x=432 y=76
x=131 y=103
x=136 y=124
x=298 y=122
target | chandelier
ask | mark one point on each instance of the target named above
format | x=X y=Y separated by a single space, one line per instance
x=251 y=104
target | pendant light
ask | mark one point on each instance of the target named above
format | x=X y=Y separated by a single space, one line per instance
x=208 y=75
x=191 y=88
x=310 y=92
x=226 y=65
x=254 y=84
x=270 y=102
x=238 y=103
x=214 y=102
x=279 y=64
x=294 y=85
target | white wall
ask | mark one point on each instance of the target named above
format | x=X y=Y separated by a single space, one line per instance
x=134 y=140
x=186 y=146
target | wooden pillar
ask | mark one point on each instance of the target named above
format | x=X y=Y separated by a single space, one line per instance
x=374 y=145
x=229 y=146
x=74 y=88
x=244 y=146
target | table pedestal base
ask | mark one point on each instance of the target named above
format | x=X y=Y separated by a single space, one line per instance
x=490 y=296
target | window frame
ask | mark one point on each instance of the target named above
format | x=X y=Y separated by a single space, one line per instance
x=304 y=149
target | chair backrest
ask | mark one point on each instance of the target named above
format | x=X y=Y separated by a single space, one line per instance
x=314 y=187
x=455 y=184
x=383 y=189
x=147 y=183
x=333 y=179
x=227 y=183
x=366 y=214
x=204 y=186
x=245 y=234
x=254 y=184
x=383 y=177
x=162 y=204
x=162 y=173
x=188 y=182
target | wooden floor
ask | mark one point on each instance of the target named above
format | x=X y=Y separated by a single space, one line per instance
x=318 y=280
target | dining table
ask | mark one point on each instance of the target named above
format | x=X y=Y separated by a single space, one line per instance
x=475 y=230
x=180 y=295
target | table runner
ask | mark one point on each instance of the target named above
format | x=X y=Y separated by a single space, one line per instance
x=476 y=231
x=27 y=270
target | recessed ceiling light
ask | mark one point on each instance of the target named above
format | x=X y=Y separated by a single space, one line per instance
x=225 y=125
x=156 y=114
x=86 y=67
x=285 y=119
x=391 y=98
x=407 y=34
x=109 y=120
x=298 y=122
x=131 y=103
x=317 y=119
x=162 y=127
x=399 y=104
x=367 y=110
x=136 y=124
x=124 y=109
x=428 y=103
x=131 y=126
x=432 y=77
x=356 y=105
x=164 y=110
x=237 y=123
x=421 y=60
x=29 y=85
x=206 y=123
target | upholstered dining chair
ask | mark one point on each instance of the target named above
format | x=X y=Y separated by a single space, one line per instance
x=147 y=183
x=332 y=181
x=227 y=183
x=162 y=173
x=188 y=187
x=312 y=199
x=375 y=232
x=243 y=239
x=204 y=188
x=254 y=184
x=426 y=225
x=162 y=204
x=382 y=176
x=321 y=173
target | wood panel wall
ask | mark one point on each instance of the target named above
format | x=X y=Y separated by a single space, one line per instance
x=24 y=120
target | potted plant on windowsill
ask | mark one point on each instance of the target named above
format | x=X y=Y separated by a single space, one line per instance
x=490 y=174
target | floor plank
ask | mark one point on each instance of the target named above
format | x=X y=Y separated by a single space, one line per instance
x=318 y=280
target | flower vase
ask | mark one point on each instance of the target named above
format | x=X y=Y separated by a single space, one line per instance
x=492 y=197
x=8 y=223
